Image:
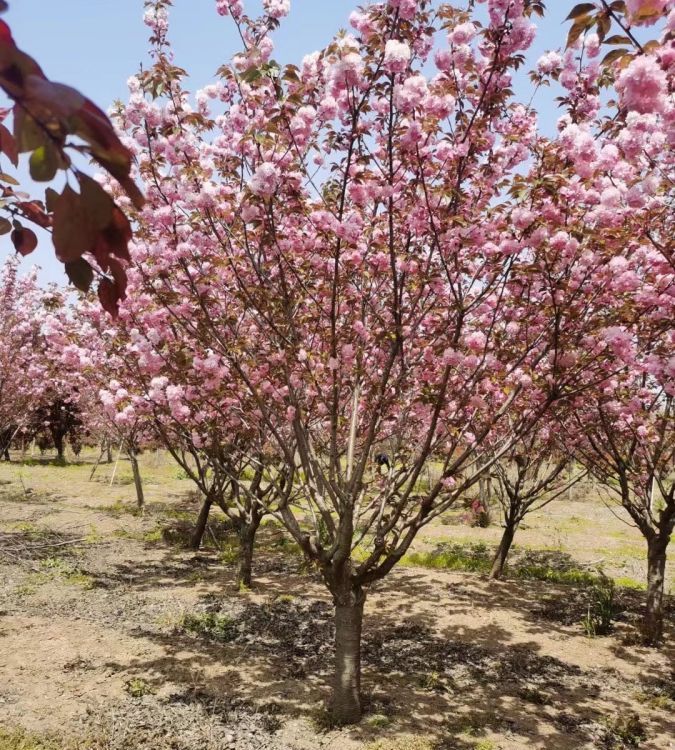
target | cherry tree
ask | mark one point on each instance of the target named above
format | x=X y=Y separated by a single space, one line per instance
x=535 y=472
x=610 y=179
x=182 y=389
x=338 y=239
x=21 y=381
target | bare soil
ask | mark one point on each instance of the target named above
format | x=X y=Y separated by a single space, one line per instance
x=114 y=636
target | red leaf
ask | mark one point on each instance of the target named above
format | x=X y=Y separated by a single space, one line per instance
x=107 y=149
x=80 y=273
x=35 y=211
x=8 y=145
x=119 y=275
x=6 y=34
x=73 y=233
x=63 y=101
x=113 y=240
x=109 y=297
x=24 y=240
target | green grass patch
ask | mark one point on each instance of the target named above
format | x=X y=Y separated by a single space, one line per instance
x=213 y=626
x=569 y=577
x=64 y=570
x=475 y=558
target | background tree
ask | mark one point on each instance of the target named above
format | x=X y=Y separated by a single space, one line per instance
x=534 y=473
x=21 y=381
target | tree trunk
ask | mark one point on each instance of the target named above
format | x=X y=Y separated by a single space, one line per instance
x=58 y=444
x=247 y=532
x=503 y=550
x=652 y=624
x=346 y=700
x=108 y=450
x=140 y=499
x=200 y=528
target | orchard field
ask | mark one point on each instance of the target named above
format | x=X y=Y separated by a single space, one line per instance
x=354 y=424
x=114 y=635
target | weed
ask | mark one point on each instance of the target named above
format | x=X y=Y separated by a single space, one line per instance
x=378 y=721
x=625 y=731
x=117 y=509
x=657 y=702
x=229 y=553
x=211 y=625
x=322 y=721
x=17 y=739
x=571 y=577
x=284 y=598
x=153 y=536
x=431 y=682
x=602 y=608
x=625 y=582
x=56 y=568
x=485 y=745
x=137 y=687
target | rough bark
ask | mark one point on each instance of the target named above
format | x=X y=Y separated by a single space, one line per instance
x=346 y=700
x=652 y=623
x=138 y=484
x=503 y=550
x=247 y=532
x=200 y=527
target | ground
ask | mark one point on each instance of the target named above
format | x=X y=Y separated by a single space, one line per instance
x=113 y=636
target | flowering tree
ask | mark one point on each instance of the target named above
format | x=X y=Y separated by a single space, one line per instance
x=182 y=391
x=616 y=201
x=21 y=308
x=337 y=240
x=529 y=477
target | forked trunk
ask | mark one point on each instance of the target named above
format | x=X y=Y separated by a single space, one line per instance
x=652 y=624
x=346 y=700
x=247 y=532
x=138 y=483
x=503 y=550
x=200 y=527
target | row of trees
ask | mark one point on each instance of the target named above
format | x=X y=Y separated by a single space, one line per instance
x=377 y=251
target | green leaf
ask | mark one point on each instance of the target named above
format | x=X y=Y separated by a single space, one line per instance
x=80 y=273
x=583 y=9
x=43 y=163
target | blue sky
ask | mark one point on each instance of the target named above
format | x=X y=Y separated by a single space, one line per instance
x=95 y=45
